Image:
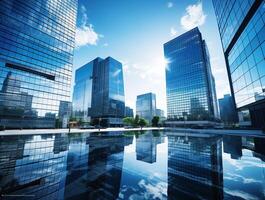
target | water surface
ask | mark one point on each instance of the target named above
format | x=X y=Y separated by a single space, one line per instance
x=132 y=165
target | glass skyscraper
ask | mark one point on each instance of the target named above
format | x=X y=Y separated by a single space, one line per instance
x=227 y=110
x=37 y=40
x=242 y=29
x=146 y=106
x=82 y=95
x=99 y=92
x=128 y=112
x=190 y=85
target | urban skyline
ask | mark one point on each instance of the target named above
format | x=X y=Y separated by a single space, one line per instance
x=143 y=58
x=85 y=87
x=39 y=98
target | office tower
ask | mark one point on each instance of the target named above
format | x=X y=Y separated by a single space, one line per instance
x=190 y=85
x=241 y=26
x=227 y=108
x=99 y=92
x=161 y=114
x=128 y=112
x=82 y=95
x=195 y=169
x=37 y=40
x=146 y=106
x=65 y=109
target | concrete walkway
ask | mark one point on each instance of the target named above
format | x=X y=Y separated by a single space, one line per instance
x=253 y=133
x=58 y=131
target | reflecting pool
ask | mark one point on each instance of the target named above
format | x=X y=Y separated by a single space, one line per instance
x=132 y=165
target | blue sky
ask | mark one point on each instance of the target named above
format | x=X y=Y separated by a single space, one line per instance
x=134 y=31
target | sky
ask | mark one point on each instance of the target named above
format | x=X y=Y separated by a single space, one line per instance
x=134 y=31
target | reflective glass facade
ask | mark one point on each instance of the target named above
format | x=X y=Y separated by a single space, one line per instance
x=244 y=49
x=228 y=112
x=190 y=85
x=128 y=112
x=160 y=113
x=36 y=55
x=146 y=106
x=230 y=15
x=82 y=95
x=99 y=92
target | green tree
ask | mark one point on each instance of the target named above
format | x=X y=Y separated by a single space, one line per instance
x=128 y=121
x=142 y=122
x=136 y=120
x=155 y=121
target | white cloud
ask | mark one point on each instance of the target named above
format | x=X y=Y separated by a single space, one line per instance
x=170 y=4
x=194 y=16
x=173 y=31
x=153 y=191
x=240 y=194
x=85 y=34
x=152 y=71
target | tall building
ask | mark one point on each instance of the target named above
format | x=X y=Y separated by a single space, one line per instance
x=161 y=114
x=242 y=28
x=99 y=92
x=37 y=40
x=65 y=108
x=128 y=112
x=65 y=111
x=146 y=106
x=82 y=95
x=227 y=108
x=190 y=85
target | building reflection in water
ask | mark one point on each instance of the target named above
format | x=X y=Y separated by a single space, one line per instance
x=61 y=166
x=31 y=168
x=146 y=147
x=195 y=167
x=82 y=166
x=105 y=160
x=234 y=145
x=77 y=166
x=244 y=168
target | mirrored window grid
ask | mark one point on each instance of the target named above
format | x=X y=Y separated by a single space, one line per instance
x=189 y=82
x=99 y=91
x=230 y=15
x=36 y=55
x=247 y=61
x=146 y=106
